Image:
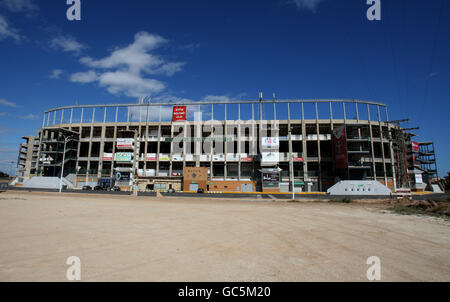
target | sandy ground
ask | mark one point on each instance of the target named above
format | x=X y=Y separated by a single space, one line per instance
x=127 y=238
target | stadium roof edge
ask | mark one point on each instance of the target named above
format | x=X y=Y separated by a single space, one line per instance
x=182 y=103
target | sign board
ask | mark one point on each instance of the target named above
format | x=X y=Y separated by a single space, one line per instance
x=271 y=179
x=218 y=157
x=164 y=157
x=415 y=146
x=107 y=156
x=179 y=113
x=150 y=157
x=297 y=159
x=246 y=159
x=177 y=157
x=270 y=157
x=125 y=143
x=340 y=148
x=122 y=176
x=418 y=178
x=270 y=142
x=123 y=156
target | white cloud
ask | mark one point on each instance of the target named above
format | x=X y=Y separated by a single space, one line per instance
x=6 y=31
x=84 y=77
x=67 y=44
x=29 y=116
x=215 y=98
x=19 y=6
x=7 y=103
x=124 y=71
x=56 y=74
x=130 y=84
x=307 y=4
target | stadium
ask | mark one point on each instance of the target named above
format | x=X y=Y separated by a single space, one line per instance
x=226 y=146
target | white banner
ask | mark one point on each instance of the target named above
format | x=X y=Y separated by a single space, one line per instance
x=271 y=142
x=125 y=143
x=270 y=157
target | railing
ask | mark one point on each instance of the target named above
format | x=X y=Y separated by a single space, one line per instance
x=109 y=112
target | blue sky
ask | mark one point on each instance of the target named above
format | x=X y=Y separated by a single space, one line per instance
x=195 y=50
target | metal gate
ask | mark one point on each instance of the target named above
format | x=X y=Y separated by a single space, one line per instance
x=246 y=187
x=193 y=187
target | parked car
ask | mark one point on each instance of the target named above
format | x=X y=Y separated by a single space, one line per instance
x=86 y=187
x=200 y=191
x=99 y=188
x=171 y=190
x=115 y=188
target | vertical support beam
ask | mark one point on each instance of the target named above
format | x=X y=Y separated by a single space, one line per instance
x=71 y=115
x=81 y=119
x=319 y=156
x=345 y=113
x=62 y=117
x=274 y=111
x=225 y=145
x=104 y=115
x=114 y=148
x=102 y=149
x=93 y=115
x=117 y=113
x=43 y=120
x=54 y=117
x=289 y=112
x=303 y=111
x=158 y=148
x=357 y=112
x=331 y=115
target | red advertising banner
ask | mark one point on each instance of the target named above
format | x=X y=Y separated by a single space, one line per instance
x=340 y=148
x=246 y=159
x=297 y=159
x=415 y=146
x=179 y=113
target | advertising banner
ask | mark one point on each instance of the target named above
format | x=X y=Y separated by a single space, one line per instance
x=415 y=146
x=150 y=157
x=107 y=156
x=418 y=178
x=125 y=143
x=246 y=159
x=179 y=113
x=340 y=148
x=122 y=178
x=271 y=179
x=164 y=157
x=270 y=157
x=123 y=156
x=297 y=159
x=270 y=142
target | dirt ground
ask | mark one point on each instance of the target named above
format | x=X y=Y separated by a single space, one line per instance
x=127 y=238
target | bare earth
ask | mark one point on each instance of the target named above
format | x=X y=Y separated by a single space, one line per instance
x=126 y=238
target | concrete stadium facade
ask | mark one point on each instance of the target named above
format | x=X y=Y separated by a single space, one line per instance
x=236 y=141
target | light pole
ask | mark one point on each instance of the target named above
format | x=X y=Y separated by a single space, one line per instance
x=291 y=164
x=66 y=139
